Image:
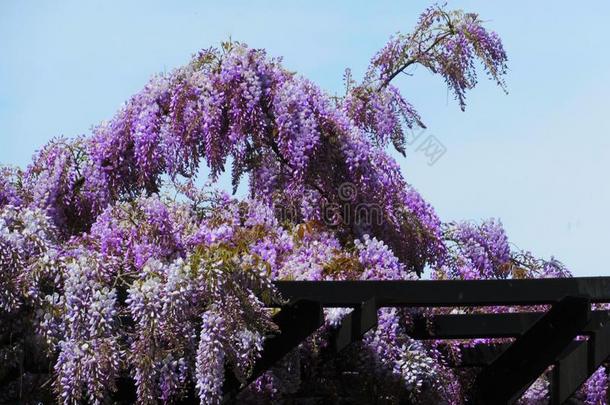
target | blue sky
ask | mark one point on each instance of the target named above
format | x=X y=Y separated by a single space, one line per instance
x=537 y=158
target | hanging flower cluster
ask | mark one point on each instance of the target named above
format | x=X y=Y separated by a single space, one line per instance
x=126 y=282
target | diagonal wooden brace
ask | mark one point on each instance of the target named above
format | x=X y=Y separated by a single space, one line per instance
x=295 y=322
x=504 y=380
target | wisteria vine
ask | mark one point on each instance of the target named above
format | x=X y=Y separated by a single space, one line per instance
x=117 y=270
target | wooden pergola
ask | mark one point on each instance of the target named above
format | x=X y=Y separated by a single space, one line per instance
x=570 y=336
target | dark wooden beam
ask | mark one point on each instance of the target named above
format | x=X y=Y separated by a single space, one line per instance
x=470 y=326
x=428 y=293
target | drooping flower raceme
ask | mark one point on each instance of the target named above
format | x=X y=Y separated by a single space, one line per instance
x=88 y=360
